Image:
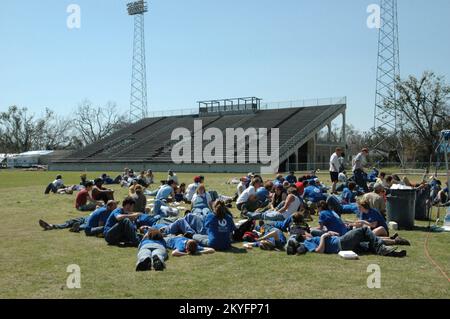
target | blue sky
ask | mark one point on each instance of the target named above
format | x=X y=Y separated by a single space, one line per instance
x=206 y=49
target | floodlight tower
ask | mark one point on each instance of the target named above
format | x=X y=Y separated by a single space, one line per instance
x=138 y=101
x=388 y=68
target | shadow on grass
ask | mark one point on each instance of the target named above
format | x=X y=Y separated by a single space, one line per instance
x=234 y=250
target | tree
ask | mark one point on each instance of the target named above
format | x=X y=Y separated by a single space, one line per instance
x=22 y=132
x=423 y=107
x=17 y=130
x=95 y=123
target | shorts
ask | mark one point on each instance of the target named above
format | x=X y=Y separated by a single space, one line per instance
x=334 y=176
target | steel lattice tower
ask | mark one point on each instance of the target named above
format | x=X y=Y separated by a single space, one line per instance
x=388 y=66
x=138 y=100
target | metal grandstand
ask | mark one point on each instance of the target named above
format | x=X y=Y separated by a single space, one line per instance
x=148 y=143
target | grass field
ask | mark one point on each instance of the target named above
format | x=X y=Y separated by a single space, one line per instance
x=33 y=263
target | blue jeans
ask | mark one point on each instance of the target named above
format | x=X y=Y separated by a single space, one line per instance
x=360 y=179
x=335 y=205
x=353 y=239
x=180 y=226
x=270 y=215
x=122 y=231
x=151 y=249
x=81 y=220
x=201 y=239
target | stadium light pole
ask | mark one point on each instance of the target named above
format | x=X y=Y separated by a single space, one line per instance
x=138 y=99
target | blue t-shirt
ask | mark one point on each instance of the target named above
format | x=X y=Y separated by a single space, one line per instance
x=332 y=244
x=348 y=196
x=262 y=193
x=152 y=241
x=291 y=179
x=179 y=243
x=314 y=194
x=332 y=222
x=112 y=220
x=219 y=231
x=164 y=192
x=374 y=215
x=99 y=215
x=147 y=220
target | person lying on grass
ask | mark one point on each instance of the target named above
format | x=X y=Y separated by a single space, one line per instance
x=92 y=225
x=274 y=239
x=152 y=251
x=357 y=240
x=183 y=246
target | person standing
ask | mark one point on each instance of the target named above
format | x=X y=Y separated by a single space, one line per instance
x=358 y=169
x=334 y=168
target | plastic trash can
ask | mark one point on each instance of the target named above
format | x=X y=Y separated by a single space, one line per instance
x=422 y=195
x=401 y=205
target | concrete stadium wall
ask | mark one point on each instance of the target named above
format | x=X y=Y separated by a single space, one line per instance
x=157 y=167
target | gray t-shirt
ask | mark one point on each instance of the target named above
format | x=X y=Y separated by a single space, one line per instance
x=358 y=162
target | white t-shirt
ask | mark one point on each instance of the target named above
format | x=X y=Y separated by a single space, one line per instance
x=173 y=178
x=208 y=198
x=240 y=188
x=334 y=163
x=58 y=183
x=190 y=191
x=342 y=178
x=243 y=198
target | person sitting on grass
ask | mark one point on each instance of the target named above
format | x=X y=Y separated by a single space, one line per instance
x=55 y=185
x=376 y=199
x=192 y=188
x=167 y=191
x=139 y=198
x=278 y=196
x=263 y=194
x=348 y=195
x=248 y=201
x=313 y=193
x=201 y=201
x=183 y=246
x=357 y=240
x=180 y=193
x=97 y=220
x=291 y=178
x=152 y=252
x=283 y=211
x=120 y=226
x=84 y=201
x=101 y=193
x=370 y=217
x=328 y=220
x=220 y=227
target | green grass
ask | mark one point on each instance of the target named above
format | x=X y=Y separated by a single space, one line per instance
x=33 y=262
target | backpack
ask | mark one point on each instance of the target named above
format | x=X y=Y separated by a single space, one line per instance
x=246 y=226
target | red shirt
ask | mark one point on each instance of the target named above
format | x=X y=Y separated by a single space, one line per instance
x=82 y=198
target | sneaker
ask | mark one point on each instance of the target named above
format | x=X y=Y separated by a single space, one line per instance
x=158 y=264
x=291 y=248
x=144 y=265
x=402 y=241
x=45 y=225
x=394 y=236
x=386 y=250
x=398 y=254
x=75 y=228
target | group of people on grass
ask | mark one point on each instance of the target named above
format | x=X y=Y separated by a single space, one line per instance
x=274 y=216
